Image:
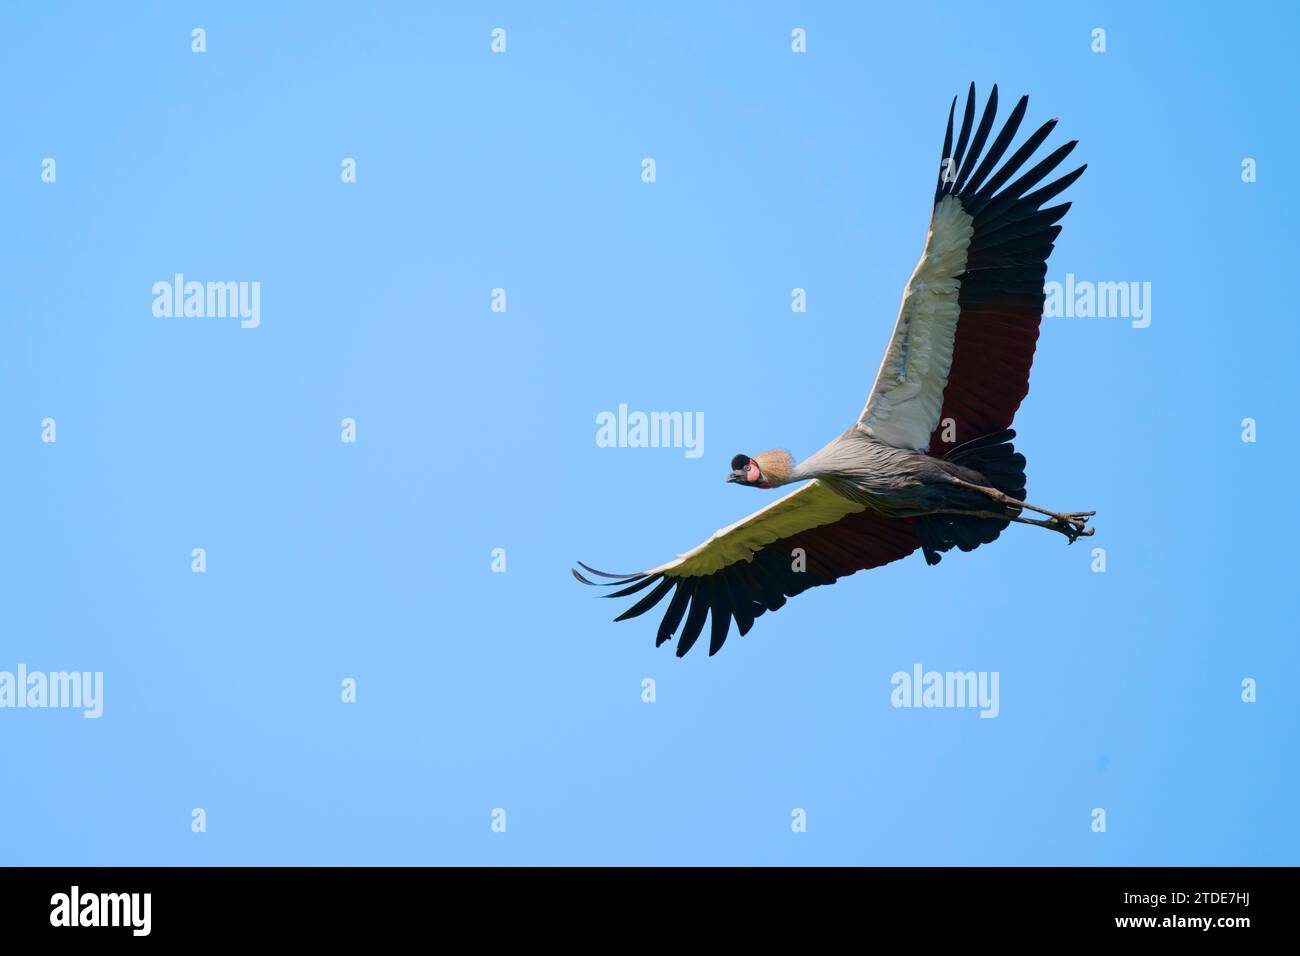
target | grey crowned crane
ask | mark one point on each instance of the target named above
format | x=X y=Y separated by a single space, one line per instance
x=929 y=462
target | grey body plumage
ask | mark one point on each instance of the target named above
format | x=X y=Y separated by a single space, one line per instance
x=894 y=481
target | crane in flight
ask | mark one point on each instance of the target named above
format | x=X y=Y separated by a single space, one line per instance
x=929 y=463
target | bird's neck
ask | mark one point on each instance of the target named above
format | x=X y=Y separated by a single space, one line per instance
x=804 y=471
x=826 y=463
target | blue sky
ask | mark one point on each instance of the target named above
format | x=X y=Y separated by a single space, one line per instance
x=476 y=430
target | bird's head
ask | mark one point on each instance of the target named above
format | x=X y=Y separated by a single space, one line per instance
x=765 y=470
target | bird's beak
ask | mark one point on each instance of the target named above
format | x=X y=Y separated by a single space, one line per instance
x=736 y=475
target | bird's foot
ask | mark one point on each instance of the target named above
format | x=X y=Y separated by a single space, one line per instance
x=1073 y=524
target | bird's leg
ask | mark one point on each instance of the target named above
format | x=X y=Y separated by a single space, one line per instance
x=1072 y=524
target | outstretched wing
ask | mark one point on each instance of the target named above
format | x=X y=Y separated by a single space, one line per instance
x=752 y=566
x=966 y=331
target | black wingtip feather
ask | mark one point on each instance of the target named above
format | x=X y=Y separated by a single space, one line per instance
x=977 y=144
x=647 y=602
x=606 y=574
x=721 y=615
x=975 y=204
x=638 y=586
x=947 y=147
x=676 y=608
x=999 y=147
x=967 y=119
x=695 y=619
x=1036 y=199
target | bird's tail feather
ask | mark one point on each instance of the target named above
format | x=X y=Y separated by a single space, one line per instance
x=997 y=460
